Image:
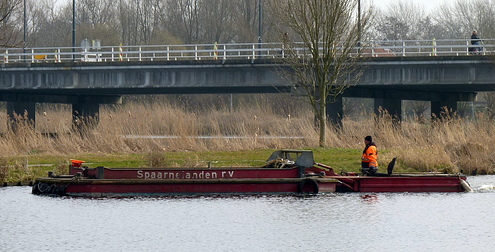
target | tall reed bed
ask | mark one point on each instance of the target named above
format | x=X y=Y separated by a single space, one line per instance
x=448 y=144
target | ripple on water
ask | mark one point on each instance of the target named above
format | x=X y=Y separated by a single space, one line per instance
x=330 y=221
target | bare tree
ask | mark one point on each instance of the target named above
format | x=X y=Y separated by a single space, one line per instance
x=97 y=19
x=6 y=8
x=246 y=24
x=489 y=98
x=218 y=17
x=328 y=30
x=183 y=17
x=202 y=21
x=49 y=25
x=461 y=18
x=416 y=109
x=405 y=21
x=8 y=31
x=139 y=20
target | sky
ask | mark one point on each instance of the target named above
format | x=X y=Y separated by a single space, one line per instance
x=429 y=5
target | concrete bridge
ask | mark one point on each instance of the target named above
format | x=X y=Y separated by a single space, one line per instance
x=442 y=78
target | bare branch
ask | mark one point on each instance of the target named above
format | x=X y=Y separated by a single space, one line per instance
x=325 y=63
x=8 y=30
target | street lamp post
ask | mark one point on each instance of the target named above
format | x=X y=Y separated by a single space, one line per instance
x=25 y=34
x=359 y=22
x=260 y=21
x=74 y=29
x=260 y=26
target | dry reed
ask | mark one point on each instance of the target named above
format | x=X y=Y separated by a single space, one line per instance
x=448 y=144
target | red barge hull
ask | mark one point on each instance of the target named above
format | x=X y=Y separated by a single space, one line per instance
x=286 y=172
x=129 y=188
x=412 y=183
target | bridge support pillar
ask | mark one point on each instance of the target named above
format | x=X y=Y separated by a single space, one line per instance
x=86 y=109
x=392 y=106
x=85 y=114
x=21 y=110
x=335 y=112
x=438 y=107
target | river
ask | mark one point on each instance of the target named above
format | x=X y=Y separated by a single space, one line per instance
x=326 y=222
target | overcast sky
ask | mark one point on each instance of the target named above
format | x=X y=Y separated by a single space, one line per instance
x=429 y=5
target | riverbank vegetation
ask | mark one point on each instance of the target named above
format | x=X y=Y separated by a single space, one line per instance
x=237 y=130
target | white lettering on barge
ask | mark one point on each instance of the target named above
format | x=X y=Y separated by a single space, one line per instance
x=184 y=174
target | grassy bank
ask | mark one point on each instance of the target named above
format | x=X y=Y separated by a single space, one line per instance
x=27 y=168
x=451 y=144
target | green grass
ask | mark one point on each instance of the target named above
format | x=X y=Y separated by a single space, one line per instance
x=338 y=158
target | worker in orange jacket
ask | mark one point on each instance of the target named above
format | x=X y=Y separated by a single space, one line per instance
x=369 y=163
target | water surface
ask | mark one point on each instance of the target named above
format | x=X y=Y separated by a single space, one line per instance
x=326 y=222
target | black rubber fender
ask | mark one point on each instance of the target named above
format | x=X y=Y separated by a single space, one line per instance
x=42 y=188
x=35 y=189
x=60 y=191
x=308 y=182
x=47 y=189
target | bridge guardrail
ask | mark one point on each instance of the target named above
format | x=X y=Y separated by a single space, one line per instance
x=402 y=48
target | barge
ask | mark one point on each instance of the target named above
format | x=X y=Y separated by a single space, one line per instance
x=286 y=172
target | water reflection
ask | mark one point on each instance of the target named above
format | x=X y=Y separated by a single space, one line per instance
x=370 y=198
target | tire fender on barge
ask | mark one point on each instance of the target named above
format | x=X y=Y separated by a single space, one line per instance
x=308 y=185
x=47 y=189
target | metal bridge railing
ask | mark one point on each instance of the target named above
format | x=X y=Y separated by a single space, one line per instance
x=402 y=48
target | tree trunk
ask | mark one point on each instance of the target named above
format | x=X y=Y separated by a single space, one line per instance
x=323 y=121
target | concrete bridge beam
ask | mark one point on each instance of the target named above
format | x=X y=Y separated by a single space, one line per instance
x=58 y=98
x=85 y=108
x=443 y=80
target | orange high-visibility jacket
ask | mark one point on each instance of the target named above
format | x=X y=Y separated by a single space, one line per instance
x=370 y=156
